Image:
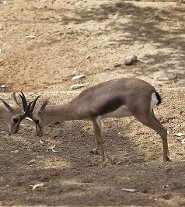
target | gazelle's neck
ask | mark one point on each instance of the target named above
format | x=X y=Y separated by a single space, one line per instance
x=60 y=112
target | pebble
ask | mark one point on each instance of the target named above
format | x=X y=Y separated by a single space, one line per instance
x=30 y=36
x=183 y=141
x=77 y=77
x=32 y=161
x=130 y=60
x=15 y=151
x=77 y=86
x=180 y=134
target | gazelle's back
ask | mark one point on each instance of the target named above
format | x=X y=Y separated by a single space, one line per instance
x=107 y=97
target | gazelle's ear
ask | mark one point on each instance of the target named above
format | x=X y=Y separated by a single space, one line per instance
x=13 y=95
x=7 y=105
x=44 y=105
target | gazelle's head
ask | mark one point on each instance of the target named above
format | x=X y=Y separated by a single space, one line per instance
x=40 y=119
x=14 y=115
x=11 y=117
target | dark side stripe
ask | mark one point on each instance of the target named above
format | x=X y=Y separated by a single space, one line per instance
x=109 y=106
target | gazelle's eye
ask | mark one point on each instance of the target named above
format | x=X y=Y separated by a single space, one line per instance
x=15 y=119
x=36 y=121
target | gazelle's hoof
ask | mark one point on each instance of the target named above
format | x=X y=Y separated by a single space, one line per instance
x=167 y=160
x=95 y=151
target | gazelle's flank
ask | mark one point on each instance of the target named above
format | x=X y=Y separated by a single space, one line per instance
x=116 y=98
x=13 y=115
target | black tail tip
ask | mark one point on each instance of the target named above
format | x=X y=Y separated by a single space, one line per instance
x=158 y=98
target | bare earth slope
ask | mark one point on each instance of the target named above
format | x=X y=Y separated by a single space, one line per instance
x=42 y=44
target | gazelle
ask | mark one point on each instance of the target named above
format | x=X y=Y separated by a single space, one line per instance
x=115 y=98
x=12 y=116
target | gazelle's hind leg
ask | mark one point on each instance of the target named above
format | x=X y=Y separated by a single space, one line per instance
x=151 y=121
x=153 y=115
x=156 y=119
x=98 y=135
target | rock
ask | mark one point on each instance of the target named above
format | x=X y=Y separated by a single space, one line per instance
x=130 y=60
x=77 y=77
x=77 y=86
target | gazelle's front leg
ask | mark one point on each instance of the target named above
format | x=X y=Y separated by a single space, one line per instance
x=98 y=135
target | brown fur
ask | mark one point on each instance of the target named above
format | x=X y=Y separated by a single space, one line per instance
x=115 y=98
x=7 y=115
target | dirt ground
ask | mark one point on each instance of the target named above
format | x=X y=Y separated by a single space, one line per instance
x=43 y=44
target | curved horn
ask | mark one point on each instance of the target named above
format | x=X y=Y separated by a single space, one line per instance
x=26 y=112
x=33 y=104
x=44 y=105
x=24 y=101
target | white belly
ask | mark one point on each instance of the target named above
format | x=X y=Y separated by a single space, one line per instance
x=118 y=113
